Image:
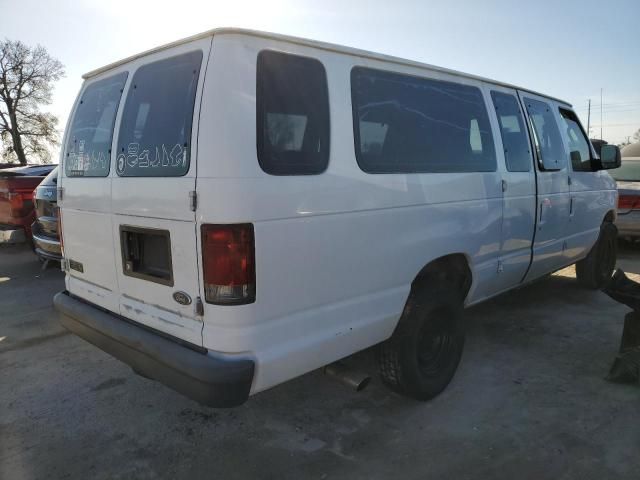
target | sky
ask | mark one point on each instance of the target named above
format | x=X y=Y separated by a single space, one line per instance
x=568 y=49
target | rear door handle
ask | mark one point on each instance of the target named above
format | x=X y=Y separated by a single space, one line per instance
x=571 y=207
x=541 y=207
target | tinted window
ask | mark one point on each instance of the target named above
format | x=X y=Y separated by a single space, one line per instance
x=155 y=132
x=292 y=114
x=579 y=150
x=547 y=136
x=88 y=149
x=406 y=124
x=512 y=129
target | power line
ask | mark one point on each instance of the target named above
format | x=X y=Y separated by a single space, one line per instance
x=612 y=110
x=608 y=104
x=617 y=125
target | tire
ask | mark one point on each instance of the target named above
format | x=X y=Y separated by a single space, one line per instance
x=595 y=270
x=422 y=355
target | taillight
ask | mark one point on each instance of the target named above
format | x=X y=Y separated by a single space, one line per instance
x=628 y=202
x=19 y=205
x=228 y=264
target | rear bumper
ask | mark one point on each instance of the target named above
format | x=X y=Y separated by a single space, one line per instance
x=628 y=224
x=46 y=247
x=193 y=372
x=12 y=234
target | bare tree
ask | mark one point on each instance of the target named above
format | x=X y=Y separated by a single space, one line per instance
x=27 y=76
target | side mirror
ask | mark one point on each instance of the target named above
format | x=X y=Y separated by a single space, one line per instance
x=597 y=145
x=610 y=157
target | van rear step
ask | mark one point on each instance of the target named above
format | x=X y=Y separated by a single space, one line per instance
x=210 y=380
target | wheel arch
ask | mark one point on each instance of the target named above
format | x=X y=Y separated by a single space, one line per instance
x=453 y=267
x=610 y=217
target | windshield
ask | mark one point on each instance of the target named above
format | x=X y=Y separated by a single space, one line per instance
x=628 y=172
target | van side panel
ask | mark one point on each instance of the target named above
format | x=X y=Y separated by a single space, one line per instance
x=519 y=188
x=335 y=253
x=552 y=203
x=593 y=195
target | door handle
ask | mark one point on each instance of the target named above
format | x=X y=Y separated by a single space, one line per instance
x=541 y=207
x=571 y=207
x=504 y=186
x=540 y=216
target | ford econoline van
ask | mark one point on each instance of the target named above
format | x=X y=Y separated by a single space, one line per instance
x=239 y=208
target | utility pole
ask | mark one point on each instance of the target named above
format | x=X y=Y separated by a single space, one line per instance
x=601 y=114
x=589 y=119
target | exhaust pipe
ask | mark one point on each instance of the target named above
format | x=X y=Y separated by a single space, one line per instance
x=348 y=376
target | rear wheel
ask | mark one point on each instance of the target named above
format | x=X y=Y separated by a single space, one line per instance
x=595 y=270
x=422 y=355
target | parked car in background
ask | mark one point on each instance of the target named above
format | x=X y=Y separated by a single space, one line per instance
x=16 y=201
x=28 y=171
x=628 y=179
x=46 y=237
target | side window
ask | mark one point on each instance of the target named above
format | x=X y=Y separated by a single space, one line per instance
x=292 y=114
x=547 y=138
x=88 y=149
x=155 y=131
x=406 y=124
x=579 y=151
x=515 y=142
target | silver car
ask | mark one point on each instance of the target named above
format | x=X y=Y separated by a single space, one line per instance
x=628 y=178
x=46 y=239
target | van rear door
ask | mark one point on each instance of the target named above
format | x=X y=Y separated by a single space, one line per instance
x=153 y=192
x=135 y=240
x=84 y=191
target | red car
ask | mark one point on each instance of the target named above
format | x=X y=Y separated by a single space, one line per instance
x=16 y=201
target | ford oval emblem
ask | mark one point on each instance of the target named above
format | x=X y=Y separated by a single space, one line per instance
x=182 y=298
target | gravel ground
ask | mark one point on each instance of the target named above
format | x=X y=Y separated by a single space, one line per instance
x=529 y=401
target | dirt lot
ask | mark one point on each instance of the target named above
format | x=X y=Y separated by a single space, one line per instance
x=529 y=402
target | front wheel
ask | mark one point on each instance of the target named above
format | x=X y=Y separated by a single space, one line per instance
x=422 y=355
x=595 y=270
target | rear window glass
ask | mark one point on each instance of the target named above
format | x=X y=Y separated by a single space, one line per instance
x=514 y=138
x=406 y=124
x=292 y=114
x=547 y=136
x=155 y=132
x=88 y=149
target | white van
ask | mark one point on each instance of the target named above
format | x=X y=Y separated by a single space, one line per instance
x=239 y=208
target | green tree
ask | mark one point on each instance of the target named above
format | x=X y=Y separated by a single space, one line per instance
x=27 y=76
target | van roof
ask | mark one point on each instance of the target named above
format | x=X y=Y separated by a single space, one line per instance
x=315 y=44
